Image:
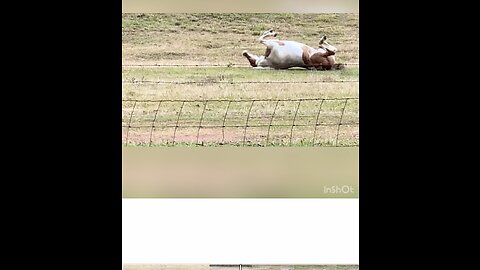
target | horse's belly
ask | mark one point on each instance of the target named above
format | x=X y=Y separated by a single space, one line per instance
x=286 y=57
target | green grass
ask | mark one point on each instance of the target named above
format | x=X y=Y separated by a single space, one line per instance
x=219 y=39
x=235 y=74
x=253 y=267
x=222 y=83
x=269 y=122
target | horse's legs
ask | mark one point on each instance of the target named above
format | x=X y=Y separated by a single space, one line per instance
x=263 y=62
x=268 y=33
x=320 y=61
x=252 y=59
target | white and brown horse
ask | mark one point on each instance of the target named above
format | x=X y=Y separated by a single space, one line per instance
x=283 y=54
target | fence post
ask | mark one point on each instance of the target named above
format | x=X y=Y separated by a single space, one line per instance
x=246 y=123
x=153 y=123
x=293 y=123
x=316 y=122
x=271 y=120
x=340 y=122
x=130 y=121
x=201 y=119
x=176 y=124
x=224 y=118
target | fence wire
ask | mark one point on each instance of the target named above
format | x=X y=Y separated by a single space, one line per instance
x=207 y=65
x=242 y=122
x=235 y=82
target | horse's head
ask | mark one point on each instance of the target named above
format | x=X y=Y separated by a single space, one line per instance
x=325 y=45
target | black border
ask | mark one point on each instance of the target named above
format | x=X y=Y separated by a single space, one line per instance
x=77 y=102
x=389 y=135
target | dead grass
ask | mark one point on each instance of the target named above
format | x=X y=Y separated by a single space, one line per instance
x=220 y=82
x=262 y=123
x=253 y=267
x=221 y=38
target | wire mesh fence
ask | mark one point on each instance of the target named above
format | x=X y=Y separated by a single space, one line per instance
x=141 y=81
x=281 y=267
x=206 y=65
x=252 y=122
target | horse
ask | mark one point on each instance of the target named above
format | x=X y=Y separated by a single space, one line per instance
x=284 y=54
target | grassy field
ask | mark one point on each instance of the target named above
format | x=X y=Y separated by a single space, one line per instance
x=221 y=38
x=253 y=267
x=260 y=119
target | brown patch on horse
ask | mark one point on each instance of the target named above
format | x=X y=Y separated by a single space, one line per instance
x=281 y=43
x=306 y=57
x=267 y=52
x=320 y=61
x=250 y=59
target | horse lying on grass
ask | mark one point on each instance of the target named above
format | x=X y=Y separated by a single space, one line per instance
x=283 y=54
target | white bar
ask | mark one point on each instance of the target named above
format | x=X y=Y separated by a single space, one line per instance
x=240 y=231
